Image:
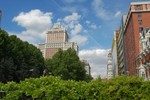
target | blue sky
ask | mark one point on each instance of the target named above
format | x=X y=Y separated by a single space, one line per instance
x=90 y=23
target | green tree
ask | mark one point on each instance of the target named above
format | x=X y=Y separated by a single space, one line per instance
x=67 y=65
x=18 y=59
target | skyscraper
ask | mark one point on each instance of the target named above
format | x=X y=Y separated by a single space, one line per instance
x=114 y=54
x=56 y=38
x=121 y=48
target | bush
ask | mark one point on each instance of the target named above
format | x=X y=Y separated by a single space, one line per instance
x=54 y=88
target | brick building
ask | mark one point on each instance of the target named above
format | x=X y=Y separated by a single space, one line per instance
x=138 y=18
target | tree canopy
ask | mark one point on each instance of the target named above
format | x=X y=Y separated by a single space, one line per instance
x=18 y=59
x=67 y=65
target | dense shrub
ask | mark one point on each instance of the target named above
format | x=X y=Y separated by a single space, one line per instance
x=54 y=88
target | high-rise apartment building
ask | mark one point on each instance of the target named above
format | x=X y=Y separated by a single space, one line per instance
x=121 y=48
x=115 y=54
x=56 y=38
x=138 y=18
x=109 y=66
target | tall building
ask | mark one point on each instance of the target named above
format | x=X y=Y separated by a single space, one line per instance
x=143 y=59
x=56 y=38
x=115 y=54
x=138 y=18
x=121 y=48
x=109 y=66
x=87 y=67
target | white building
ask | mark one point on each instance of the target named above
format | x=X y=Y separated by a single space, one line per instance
x=87 y=67
x=114 y=55
x=143 y=59
x=109 y=66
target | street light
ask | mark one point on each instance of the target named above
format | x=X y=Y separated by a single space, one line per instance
x=0 y=18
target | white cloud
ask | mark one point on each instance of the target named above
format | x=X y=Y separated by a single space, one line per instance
x=87 y=22
x=93 y=26
x=69 y=9
x=77 y=28
x=80 y=39
x=71 y=1
x=103 y=13
x=85 y=31
x=72 y=23
x=97 y=59
x=73 y=17
x=99 y=9
x=118 y=13
x=36 y=24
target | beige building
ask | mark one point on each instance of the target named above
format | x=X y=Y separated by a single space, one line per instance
x=114 y=54
x=109 y=66
x=87 y=67
x=56 y=38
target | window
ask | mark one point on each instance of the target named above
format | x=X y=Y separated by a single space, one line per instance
x=140 y=22
x=139 y=15
x=148 y=41
x=140 y=29
x=138 y=7
x=143 y=74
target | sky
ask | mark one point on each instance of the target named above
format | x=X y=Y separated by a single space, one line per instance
x=90 y=23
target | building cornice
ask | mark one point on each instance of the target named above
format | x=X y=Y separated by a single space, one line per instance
x=139 y=3
x=129 y=14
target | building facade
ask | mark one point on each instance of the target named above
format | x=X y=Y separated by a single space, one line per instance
x=137 y=19
x=109 y=65
x=56 y=38
x=115 y=54
x=122 y=69
x=143 y=59
x=87 y=67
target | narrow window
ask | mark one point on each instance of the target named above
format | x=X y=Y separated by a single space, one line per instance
x=138 y=7
x=139 y=15
x=140 y=22
x=140 y=29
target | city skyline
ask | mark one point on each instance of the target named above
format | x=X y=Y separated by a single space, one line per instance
x=91 y=24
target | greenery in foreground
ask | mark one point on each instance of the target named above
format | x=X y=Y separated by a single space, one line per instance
x=54 y=88
x=67 y=65
x=18 y=59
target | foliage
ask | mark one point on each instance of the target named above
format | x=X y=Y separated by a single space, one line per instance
x=67 y=65
x=54 y=88
x=18 y=59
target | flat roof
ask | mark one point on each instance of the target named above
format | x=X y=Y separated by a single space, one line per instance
x=138 y=3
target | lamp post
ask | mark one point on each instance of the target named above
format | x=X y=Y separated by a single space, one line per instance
x=0 y=18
